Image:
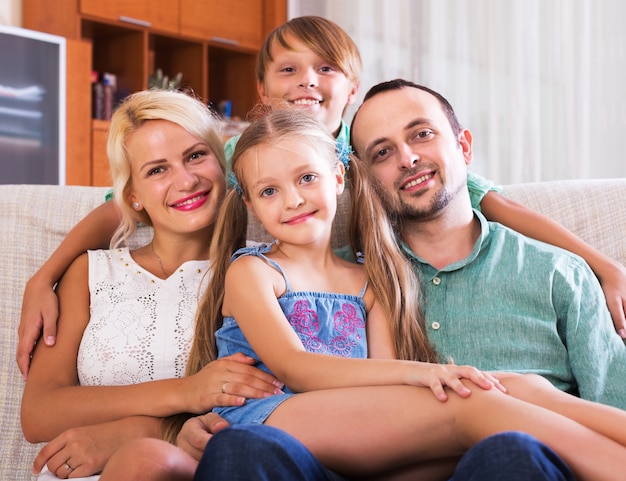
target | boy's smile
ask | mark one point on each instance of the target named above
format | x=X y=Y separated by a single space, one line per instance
x=299 y=77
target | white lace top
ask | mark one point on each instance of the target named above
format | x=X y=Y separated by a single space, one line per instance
x=141 y=326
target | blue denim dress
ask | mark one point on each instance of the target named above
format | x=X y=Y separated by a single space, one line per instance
x=326 y=322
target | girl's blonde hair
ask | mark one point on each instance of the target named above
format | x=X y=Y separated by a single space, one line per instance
x=327 y=39
x=174 y=106
x=371 y=233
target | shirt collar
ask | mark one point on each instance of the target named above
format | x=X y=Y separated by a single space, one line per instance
x=344 y=133
x=482 y=240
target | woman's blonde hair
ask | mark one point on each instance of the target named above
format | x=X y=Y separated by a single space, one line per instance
x=327 y=39
x=174 y=106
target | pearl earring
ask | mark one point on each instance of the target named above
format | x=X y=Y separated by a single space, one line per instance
x=136 y=205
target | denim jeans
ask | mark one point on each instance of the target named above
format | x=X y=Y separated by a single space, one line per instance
x=263 y=453
x=258 y=452
x=511 y=456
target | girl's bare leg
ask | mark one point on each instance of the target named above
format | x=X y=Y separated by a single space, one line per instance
x=360 y=431
x=149 y=459
x=607 y=420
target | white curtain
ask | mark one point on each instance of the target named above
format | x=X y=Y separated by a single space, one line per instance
x=540 y=83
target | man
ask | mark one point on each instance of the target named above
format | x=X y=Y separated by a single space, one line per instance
x=494 y=299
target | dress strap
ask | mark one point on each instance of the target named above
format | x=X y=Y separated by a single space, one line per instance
x=362 y=293
x=260 y=250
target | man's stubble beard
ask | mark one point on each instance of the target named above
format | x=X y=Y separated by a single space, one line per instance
x=401 y=212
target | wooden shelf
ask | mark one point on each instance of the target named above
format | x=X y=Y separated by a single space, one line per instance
x=233 y=22
x=160 y=15
x=213 y=43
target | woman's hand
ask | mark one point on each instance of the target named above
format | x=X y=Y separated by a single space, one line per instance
x=85 y=450
x=40 y=311
x=228 y=381
x=438 y=376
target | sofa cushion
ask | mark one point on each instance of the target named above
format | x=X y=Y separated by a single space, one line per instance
x=595 y=210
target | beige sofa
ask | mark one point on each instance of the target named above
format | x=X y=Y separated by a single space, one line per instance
x=34 y=219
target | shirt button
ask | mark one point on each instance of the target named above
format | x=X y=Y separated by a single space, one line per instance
x=436 y=281
x=435 y=325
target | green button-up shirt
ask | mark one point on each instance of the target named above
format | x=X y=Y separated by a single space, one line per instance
x=516 y=304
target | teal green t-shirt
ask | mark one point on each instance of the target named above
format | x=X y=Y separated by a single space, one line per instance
x=479 y=187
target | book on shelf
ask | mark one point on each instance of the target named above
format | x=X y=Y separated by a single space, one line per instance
x=103 y=95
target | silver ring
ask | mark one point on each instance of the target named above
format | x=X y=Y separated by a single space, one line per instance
x=224 y=387
x=68 y=467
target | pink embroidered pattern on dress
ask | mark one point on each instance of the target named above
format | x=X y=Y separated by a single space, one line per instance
x=346 y=323
x=303 y=319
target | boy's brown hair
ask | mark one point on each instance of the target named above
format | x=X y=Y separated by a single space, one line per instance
x=324 y=37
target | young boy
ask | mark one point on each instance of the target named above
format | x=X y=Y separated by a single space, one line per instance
x=311 y=64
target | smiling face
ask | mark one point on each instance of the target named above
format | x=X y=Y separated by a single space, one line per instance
x=292 y=189
x=176 y=177
x=406 y=140
x=300 y=78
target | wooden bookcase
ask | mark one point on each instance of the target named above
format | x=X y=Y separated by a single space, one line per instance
x=213 y=43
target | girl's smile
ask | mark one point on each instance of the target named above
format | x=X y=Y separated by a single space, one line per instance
x=298 y=219
x=292 y=185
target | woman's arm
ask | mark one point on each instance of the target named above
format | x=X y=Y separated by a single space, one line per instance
x=610 y=273
x=250 y=297
x=54 y=402
x=39 y=304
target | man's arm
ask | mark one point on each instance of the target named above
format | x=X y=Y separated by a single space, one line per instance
x=597 y=356
x=39 y=304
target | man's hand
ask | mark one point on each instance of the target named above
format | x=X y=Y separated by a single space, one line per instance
x=196 y=432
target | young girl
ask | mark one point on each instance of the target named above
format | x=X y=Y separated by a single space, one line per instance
x=312 y=319
x=127 y=316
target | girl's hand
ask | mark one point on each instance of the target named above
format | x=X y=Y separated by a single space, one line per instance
x=437 y=376
x=228 y=381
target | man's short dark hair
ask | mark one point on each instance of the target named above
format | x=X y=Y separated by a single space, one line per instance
x=398 y=84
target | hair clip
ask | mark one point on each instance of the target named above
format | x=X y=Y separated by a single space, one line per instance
x=232 y=178
x=343 y=151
